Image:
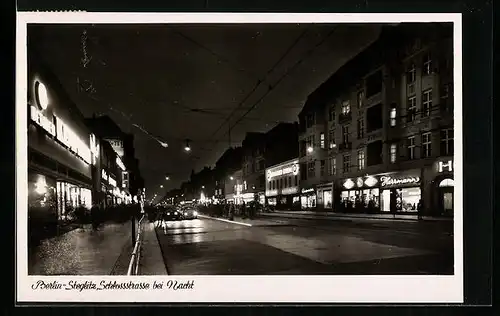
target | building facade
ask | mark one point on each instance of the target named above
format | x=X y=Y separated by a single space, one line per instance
x=61 y=157
x=379 y=132
x=253 y=167
x=283 y=185
x=234 y=189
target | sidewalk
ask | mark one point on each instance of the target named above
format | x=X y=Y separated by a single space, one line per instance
x=82 y=251
x=151 y=260
x=339 y=216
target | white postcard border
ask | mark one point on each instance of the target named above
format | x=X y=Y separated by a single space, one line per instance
x=245 y=289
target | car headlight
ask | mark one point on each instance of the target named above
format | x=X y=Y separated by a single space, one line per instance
x=195 y=213
x=168 y=213
x=175 y=213
x=185 y=213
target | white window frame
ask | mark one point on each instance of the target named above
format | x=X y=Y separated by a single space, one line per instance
x=392 y=117
x=412 y=105
x=331 y=139
x=427 y=65
x=331 y=113
x=361 y=127
x=322 y=140
x=345 y=133
x=361 y=159
x=447 y=140
x=393 y=152
x=346 y=163
x=426 y=144
x=411 y=147
x=360 y=97
x=346 y=107
x=332 y=166
x=426 y=102
x=413 y=71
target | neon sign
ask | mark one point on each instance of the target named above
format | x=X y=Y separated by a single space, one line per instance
x=120 y=163
x=307 y=190
x=63 y=133
x=389 y=181
x=294 y=169
x=445 y=166
x=349 y=184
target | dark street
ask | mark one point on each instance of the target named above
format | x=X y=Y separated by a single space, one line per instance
x=293 y=246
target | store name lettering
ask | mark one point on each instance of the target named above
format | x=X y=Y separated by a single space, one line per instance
x=388 y=181
x=307 y=190
x=286 y=170
x=63 y=133
x=445 y=166
x=110 y=180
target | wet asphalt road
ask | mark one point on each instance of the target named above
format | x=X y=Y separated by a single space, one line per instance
x=297 y=246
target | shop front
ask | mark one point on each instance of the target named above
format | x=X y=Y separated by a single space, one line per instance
x=109 y=188
x=308 y=198
x=325 y=196
x=282 y=185
x=397 y=192
x=441 y=196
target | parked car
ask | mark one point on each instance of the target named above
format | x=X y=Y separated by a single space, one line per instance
x=170 y=214
x=189 y=212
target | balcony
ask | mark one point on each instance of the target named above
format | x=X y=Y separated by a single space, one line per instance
x=345 y=117
x=345 y=146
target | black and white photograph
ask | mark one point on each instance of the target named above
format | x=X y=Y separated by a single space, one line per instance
x=238 y=148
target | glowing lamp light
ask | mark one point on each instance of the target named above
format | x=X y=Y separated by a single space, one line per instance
x=310 y=149
x=370 y=181
x=42 y=95
x=232 y=178
x=349 y=184
x=41 y=186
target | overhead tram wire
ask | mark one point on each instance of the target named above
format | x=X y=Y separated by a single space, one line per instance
x=309 y=52
x=260 y=82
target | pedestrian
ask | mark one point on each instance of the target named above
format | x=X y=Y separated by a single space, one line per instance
x=94 y=210
x=420 y=209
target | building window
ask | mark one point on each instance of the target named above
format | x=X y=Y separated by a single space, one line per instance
x=426 y=102
x=346 y=163
x=361 y=160
x=412 y=108
x=394 y=152
x=361 y=98
x=331 y=139
x=427 y=66
x=309 y=120
x=426 y=145
x=311 y=169
x=322 y=140
x=361 y=128
x=411 y=147
x=412 y=74
x=345 y=133
x=346 y=107
x=447 y=142
x=322 y=167
x=392 y=116
x=331 y=113
x=332 y=166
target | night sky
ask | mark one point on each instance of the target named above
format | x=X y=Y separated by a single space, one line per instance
x=176 y=82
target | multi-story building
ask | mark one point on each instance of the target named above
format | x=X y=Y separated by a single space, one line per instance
x=61 y=153
x=234 y=188
x=283 y=185
x=379 y=132
x=266 y=149
x=123 y=145
x=227 y=164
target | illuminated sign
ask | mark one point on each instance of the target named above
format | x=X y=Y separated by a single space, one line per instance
x=445 y=166
x=390 y=181
x=94 y=148
x=307 y=190
x=271 y=192
x=117 y=145
x=120 y=163
x=291 y=190
x=104 y=174
x=293 y=169
x=349 y=184
x=112 y=181
x=370 y=181
x=359 y=182
x=42 y=121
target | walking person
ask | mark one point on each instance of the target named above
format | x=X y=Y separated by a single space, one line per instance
x=94 y=210
x=419 y=209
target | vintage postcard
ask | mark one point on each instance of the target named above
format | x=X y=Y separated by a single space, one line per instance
x=252 y=158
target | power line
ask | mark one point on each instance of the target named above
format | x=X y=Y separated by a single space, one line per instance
x=309 y=52
x=259 y=83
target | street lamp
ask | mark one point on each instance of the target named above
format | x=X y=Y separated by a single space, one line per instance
x=231 y=177
x=167 y=178
x=187 y=147
x=161 y=186
x=310 y=149
x=202 y=186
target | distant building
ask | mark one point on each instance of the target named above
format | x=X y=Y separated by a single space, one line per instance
x=227 y=164
x=377 y=136
x=234 y=188
x=123 y=144
x=283 y=185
